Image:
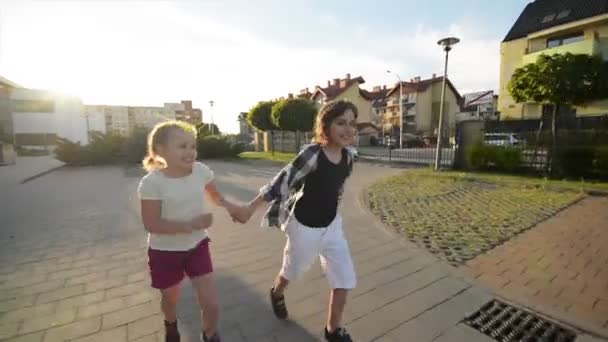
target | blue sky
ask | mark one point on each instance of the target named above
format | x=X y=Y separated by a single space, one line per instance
x=238 y=52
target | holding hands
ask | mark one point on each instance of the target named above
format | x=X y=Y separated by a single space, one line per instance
x=240 y=213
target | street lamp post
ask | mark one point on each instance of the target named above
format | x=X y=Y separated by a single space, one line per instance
x=211 y=125
x=400 y=109
x=447 y=46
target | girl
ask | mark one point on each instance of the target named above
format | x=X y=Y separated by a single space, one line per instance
x=304 y=200
x=173 y=212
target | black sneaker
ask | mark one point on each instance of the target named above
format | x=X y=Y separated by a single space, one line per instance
x=339 y=335
x=278 y=305
x=214 y=338
x=171 y=332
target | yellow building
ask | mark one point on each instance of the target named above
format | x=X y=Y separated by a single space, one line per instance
x=346 y=89
x=421 y=106
x=552 y=27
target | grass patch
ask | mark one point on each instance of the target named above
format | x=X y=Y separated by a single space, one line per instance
x=457 y=216
x=521 y=180
x=282 y=157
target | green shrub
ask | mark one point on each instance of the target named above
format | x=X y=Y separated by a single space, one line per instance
x=105 y=148
x=499 y=158
x=215 y=146
x=71 y=153
x=28 y=152
x=601 y=162
x=574 y=161
x=136 y=145
x=477 y=156
x=507 y=159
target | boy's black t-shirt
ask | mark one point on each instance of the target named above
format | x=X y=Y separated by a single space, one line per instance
x=318 y=205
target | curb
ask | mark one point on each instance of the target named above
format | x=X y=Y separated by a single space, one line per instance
x=43 y=173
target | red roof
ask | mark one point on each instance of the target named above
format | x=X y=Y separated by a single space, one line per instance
x=422 y=85
x=333 y=90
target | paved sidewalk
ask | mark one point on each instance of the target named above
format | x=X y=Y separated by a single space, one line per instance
x=26 y=167
x=561 y=265
x=73 y=267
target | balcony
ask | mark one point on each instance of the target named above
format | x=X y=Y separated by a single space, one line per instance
x=406 y=100
x=587 y=47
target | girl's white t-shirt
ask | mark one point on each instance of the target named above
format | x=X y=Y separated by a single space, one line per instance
x=182 y=199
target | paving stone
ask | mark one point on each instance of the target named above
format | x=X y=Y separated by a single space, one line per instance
x=47 y=322
x=145 y=326
x=129 y=315
x=73 y=330
x=114 y=335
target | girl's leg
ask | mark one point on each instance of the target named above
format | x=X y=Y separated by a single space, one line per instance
x=339 y=270
x=337 y=302
x=208 y=300
x=168 y=303
x=280 y=284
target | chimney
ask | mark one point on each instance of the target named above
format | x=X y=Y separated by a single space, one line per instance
x=290 y=96
x=328 y=83
x=336 y=82
x=434 y=76
x=417 y=79
x=384 y=87
x=343 y=83
x=348 y=76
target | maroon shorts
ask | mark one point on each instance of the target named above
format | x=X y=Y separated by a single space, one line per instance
x=167 y=268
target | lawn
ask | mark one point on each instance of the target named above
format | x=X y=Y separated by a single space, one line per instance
x=278 y=156
x=457 y=216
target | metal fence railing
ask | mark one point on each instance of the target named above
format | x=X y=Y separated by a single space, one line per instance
x=414 y=155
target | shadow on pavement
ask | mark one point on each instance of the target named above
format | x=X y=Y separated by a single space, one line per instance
x=245 y=315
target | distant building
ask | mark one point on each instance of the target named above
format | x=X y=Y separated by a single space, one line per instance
x=481 y=105
x=185 y=112
x=552 y=27
x=34 y=117
x=246 y=132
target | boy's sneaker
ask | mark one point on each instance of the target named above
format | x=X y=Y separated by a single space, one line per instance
x=339 y=335
x=171 y=332
x=278 y=305
x=214 y=338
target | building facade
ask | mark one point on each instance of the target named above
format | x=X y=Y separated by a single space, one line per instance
x=552 y=27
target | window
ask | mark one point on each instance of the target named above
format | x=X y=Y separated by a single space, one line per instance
x=33 y=106
x=548 y=18
x=563 y=14
x=563 y=40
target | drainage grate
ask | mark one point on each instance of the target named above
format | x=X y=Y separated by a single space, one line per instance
x=506 y=323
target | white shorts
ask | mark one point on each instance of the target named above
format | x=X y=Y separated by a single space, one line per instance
x=304 y=244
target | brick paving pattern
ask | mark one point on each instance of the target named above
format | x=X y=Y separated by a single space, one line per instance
x=561 y=264
x=457 y=219
x=73 y=267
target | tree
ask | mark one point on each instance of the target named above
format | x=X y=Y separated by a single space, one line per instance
x=294 y=115
x=204 y=129
x=259 y=117
x=559 y=80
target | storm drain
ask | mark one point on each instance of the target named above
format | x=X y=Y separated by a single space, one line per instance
x=506 y=323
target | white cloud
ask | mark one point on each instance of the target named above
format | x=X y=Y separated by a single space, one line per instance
x=134 y=54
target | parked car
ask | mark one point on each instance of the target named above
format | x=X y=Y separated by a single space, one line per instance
x=354 y=152
x=504 y=139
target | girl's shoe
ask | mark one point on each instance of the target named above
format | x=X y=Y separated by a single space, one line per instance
x=214 y=338
x=278 y=305
x=338 y=335
x=171 y=332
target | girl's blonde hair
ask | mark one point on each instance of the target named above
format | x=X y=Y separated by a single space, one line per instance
x=159 y=135
x=326 y=116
